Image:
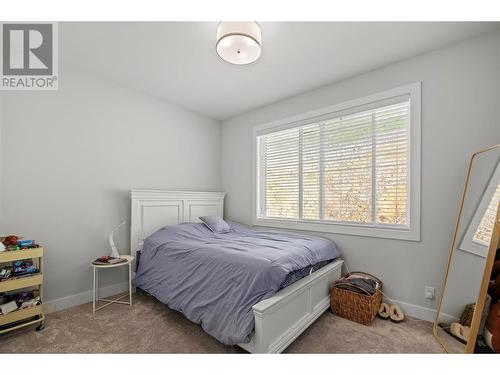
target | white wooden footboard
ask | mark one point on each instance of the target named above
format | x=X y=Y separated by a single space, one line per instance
x=282 y=318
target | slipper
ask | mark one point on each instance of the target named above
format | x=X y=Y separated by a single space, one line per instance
x=383 y=310
x=459 y=331
x=396 y=314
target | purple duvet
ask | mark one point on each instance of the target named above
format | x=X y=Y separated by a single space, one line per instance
x=215 y=279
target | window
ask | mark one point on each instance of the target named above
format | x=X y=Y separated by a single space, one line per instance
x=346 y=170
x=484 y=230
x=477 y=237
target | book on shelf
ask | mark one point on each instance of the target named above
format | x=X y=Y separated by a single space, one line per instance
x=106 y=260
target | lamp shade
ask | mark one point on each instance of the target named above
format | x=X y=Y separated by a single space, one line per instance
x=239 y=42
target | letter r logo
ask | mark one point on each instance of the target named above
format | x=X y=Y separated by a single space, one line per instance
x=27 y=49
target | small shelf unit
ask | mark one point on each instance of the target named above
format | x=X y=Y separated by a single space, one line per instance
x=31 y=315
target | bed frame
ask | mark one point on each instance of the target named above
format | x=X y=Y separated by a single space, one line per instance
x=279 y=320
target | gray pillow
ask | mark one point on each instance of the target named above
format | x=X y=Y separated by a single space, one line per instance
x=215 y=224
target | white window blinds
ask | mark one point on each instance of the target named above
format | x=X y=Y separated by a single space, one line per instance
x=349 y=168
x=485 y=229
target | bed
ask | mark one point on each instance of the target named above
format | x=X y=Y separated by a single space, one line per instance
x=267 y=316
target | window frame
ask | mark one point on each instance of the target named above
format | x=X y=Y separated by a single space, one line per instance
x=412 y=231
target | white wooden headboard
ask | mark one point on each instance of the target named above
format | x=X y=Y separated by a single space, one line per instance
x=153 y=209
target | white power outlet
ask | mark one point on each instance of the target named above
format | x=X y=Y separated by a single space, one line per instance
x=429 y=292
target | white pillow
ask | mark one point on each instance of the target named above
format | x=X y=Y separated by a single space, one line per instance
x=215 y=223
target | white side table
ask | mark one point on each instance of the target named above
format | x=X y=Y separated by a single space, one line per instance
x=96 y=298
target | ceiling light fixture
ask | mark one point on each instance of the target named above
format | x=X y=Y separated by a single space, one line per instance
x=239 y=43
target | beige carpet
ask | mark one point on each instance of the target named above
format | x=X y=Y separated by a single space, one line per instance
x=150 y=327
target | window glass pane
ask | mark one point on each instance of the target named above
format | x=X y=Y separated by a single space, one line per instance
x=311 y=171
x=391 y=145
x=281 y=170
x=348 y=168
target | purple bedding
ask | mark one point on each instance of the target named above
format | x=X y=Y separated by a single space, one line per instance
x=215 y=279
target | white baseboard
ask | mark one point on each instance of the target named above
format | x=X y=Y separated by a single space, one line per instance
x=420 y=312
x=83 y=297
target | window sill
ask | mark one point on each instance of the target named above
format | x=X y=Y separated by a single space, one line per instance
x=412 y=234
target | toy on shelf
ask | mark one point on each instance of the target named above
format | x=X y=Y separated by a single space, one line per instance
x=10 y=240
x=13 y=243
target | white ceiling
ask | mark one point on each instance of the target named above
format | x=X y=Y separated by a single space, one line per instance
x=176 y=61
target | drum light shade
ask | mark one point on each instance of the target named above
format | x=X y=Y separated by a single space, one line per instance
x=239 y=42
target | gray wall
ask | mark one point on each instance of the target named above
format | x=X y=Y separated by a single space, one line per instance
x=70 y=157
x=460 y=114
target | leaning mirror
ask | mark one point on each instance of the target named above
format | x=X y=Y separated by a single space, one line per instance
x=463 y=322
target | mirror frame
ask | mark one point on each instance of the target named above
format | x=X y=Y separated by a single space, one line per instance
x=481 y=299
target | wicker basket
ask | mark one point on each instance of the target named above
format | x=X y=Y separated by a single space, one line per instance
x=466 y=317
x=358 y=307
